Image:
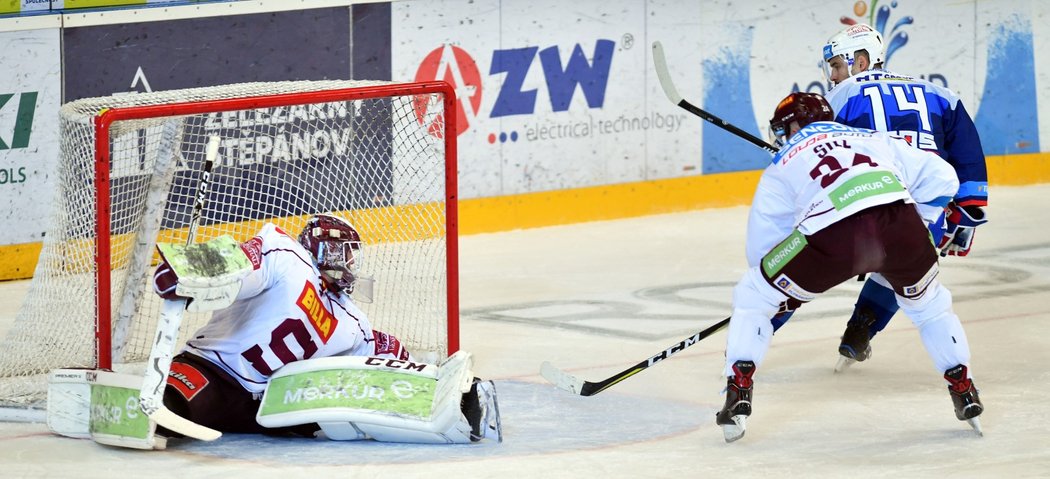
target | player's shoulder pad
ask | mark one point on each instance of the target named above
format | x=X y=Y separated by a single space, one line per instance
x=882 y=76
x=802 y=139
x=841 y=94
x=942 y=91
x=273 y=237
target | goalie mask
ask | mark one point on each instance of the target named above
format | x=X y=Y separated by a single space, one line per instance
x=848 y=42
x=801 y=108
x=336 y=247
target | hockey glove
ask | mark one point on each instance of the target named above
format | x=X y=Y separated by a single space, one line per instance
x=165 y=280
x=958 y=237
x=208 y=273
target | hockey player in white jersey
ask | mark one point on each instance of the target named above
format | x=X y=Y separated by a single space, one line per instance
x=927 y=116
x=295 y=305
x=837 y=202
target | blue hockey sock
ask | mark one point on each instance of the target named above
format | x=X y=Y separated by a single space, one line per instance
x=780 y=319
x=881 y=300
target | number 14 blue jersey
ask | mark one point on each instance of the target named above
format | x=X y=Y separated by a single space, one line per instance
x=926 y=115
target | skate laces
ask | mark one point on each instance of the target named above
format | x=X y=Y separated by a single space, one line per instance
x=743 y=371
x=857 y=335
x=958 y=382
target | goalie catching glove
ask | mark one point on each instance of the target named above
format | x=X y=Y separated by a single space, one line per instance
x=961 y=222
x=208 y=274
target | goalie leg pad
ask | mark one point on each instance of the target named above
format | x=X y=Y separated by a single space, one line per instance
x=102 y=405
x=69 y=403
x=384 y=399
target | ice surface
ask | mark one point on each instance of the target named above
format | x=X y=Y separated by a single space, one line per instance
x=597 y=298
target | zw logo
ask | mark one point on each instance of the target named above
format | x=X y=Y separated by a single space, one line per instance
x=561 y=83
x=455 y=66
x=23 y=119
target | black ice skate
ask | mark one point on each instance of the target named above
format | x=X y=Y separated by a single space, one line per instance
x=964 y=396
x=733 y=415
x=856 y=340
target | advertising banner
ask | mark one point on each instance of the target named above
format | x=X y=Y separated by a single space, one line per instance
x=29 y=99
x=309 y=44
x=555 y=96
x=149 y=56
x=71 y=4
x=550 y=99
x=24 y=6
x=753 y=59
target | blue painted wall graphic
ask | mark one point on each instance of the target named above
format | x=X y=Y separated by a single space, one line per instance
x=727 y=94
x=1007 y=119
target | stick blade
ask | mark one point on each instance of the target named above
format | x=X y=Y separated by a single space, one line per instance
x=660 y=62
x=164 y=417
x=561 y=379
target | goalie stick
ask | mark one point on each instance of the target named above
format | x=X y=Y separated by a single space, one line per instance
x=151 y=396
x=672 y=94
x=570 y=383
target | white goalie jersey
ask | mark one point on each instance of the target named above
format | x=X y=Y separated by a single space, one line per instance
x=282 y=314
x=828 y=171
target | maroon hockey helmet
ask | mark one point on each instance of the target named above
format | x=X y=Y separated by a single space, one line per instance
x=335 y=246
x=804 y=108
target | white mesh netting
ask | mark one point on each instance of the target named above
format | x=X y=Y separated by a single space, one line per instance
x=379 y=162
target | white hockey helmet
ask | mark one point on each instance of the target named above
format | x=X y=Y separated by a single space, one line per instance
x=851 y=40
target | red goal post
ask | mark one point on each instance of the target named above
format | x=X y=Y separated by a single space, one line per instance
x=381 y=154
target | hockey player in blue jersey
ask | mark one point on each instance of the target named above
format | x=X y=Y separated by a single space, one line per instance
x=927 y=116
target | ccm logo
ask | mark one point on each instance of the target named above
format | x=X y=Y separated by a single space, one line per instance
x=396 y=364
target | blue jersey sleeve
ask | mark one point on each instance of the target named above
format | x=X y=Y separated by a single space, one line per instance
x=963 y=149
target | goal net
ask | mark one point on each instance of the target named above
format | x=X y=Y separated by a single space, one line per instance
x=380 y=154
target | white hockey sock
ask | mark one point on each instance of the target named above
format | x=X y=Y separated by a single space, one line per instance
x=750 y=332
x=946 y=343
x=942 y=333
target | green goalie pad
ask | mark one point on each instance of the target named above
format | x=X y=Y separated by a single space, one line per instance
x=210 y=273
x=102 y=405
x=369 y=397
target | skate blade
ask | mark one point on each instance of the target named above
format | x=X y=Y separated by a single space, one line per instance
x=976 y=425
x=735 y=431
x=499 y=421
x=844 y=364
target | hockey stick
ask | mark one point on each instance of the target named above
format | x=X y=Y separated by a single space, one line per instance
x=570 y=383
x=151 y=396
x=672 y=94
